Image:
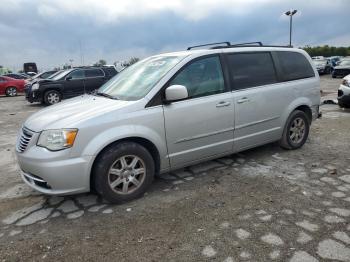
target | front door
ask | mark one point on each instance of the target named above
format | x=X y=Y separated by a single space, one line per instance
x=74 y=84
x=201 y=126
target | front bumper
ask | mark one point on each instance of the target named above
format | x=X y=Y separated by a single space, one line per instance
x=54 y=173
x=321 y=70
x=32 y=96
x=341 y=72
x=315 y=111
x=344 y=95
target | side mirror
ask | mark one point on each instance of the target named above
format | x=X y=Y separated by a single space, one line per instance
x=69 y=78
x=175 y=92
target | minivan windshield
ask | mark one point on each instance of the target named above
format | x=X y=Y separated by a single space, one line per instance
x=134 y=82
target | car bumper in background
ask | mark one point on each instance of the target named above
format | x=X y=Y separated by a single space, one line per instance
x=33 y=96
x=344 y=95
x=340 y=72
x=321 y=70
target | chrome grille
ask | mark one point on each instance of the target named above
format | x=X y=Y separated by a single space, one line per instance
x=24 y=139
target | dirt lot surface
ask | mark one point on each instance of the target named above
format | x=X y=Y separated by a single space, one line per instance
x=266 y=204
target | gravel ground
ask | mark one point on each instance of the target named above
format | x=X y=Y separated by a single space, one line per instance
x=265 y=204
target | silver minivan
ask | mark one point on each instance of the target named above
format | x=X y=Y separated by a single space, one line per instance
x=166 y=112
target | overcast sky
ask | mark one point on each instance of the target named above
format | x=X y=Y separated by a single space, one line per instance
x=48 y=32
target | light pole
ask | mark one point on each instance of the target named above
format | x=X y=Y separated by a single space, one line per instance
x=290 y=14
x=71 y=62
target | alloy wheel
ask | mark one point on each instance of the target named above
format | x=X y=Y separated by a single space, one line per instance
x=12 y=91
x=53 y=98
x=297 y=130
x=126 y=174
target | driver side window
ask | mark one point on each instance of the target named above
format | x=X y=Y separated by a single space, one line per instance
x=202 y=77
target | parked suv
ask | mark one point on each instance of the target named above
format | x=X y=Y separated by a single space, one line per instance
x=166 y=112
x=342 y=69
x=69 y=83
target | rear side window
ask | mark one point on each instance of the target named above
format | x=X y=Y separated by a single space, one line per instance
x=110 y=71
x=93 y=73
x=252 y=69
x=294 y=66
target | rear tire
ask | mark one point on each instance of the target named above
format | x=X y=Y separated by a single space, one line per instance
x=52 y=97
x=11 y=91
x=295 y=131
x=123 y=172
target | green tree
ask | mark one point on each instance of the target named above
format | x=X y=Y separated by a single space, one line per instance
x=66 y=66
x=131 y=61
x=327 y=50
x=100 y=62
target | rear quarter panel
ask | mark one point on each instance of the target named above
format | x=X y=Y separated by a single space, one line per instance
x=306 y=91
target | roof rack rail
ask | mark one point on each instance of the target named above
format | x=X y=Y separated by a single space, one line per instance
x=219 y=43
x=229 y=45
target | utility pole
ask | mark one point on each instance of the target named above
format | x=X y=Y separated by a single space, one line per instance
x=81 y=54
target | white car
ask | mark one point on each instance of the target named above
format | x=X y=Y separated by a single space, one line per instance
x=344 y=93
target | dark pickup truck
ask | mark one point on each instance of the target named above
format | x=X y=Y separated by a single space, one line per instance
x=69 y=83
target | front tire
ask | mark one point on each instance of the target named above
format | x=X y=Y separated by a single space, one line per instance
x=123 y=172
x=295 y=131
x=11 y=91
x=52 y=97
x=343 y=105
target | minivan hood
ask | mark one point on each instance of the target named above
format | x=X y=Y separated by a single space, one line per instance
x=69 y=113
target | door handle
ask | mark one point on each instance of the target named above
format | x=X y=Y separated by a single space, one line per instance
x=223 y=103
x=243 y=100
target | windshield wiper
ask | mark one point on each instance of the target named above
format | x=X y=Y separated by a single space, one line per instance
x=105 y=95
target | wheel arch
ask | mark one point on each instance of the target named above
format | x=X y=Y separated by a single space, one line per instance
x=149 y=145
x=54 y=87
x=307 y=110
x=303 y=104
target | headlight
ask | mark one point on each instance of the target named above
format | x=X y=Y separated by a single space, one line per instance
x=57 y=139
x=35 y=86
x=346 y=83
